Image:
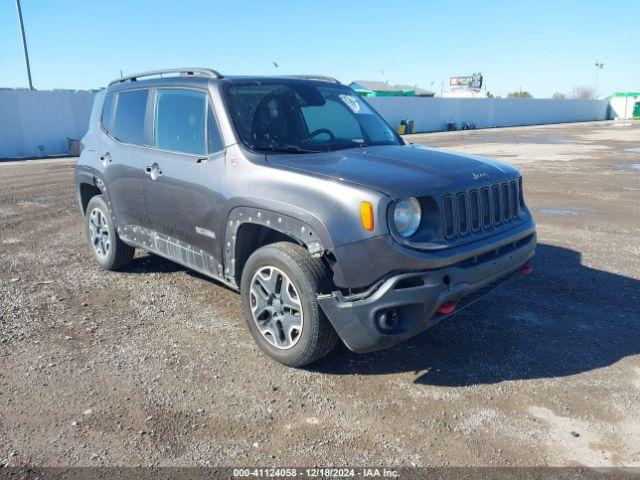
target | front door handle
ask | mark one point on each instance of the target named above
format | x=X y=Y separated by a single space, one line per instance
x=153 y=170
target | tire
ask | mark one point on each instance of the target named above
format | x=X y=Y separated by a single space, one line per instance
x=286 y=342
x=108 y=250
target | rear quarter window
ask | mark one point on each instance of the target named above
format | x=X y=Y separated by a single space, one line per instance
x=130 y=114
x=108 y=108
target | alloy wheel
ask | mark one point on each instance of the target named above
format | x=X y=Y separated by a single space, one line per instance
x=275 y=307
x=99 y=232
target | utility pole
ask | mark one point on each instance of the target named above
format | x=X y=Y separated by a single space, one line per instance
x=24 y=44
x=599 y=66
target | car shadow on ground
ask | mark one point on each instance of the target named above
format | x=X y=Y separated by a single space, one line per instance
x=564 y=319
x=151 y=263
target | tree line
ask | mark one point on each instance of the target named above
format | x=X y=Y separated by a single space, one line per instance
x=583 y=93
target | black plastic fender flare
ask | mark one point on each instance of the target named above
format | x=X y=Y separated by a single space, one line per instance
x=297 y=229
x=92 y=177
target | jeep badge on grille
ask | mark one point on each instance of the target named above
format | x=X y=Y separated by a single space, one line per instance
x=480 y=176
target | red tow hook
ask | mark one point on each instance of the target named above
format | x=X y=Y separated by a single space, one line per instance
x=446 y=308
x=526 y=270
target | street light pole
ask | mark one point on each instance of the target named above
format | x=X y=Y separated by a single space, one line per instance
x=599 y=66
x=24 y=44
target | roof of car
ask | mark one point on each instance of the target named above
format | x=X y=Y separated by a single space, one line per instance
x=198 y=77
x=157 y=82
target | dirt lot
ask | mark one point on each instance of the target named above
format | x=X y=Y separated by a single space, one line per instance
x=154 y=365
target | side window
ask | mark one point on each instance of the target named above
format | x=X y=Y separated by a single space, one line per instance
x=180 y=121
x=213 y=134
x=107 y=112
x=130 y=112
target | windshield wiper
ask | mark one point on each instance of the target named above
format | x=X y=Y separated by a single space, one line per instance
x=286 y=149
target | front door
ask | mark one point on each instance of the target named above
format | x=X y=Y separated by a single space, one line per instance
x=184 y=170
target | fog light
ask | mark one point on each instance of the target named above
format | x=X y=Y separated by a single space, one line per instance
x=388 y=319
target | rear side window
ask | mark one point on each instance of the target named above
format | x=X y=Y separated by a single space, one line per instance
x=130 y=112
x=107 y=112
x=181 y=120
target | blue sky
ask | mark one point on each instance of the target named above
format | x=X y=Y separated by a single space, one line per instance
x=541 y=46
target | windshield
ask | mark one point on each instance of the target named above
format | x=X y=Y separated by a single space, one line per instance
x=296 y=116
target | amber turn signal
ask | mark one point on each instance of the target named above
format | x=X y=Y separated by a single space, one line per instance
x=366 y=215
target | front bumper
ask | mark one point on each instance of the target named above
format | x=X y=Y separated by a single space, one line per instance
x=354 y=268
x=416 y=297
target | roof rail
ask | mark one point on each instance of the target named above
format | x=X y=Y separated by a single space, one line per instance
x=322 y=78
x=202 y=72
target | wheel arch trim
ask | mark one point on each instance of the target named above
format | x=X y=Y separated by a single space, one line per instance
x=297 y=229
x=92 y=178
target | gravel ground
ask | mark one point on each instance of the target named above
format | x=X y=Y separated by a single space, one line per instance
x=154 y=365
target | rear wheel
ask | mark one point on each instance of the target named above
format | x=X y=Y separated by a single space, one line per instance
x=279 y=286
x=108 y=250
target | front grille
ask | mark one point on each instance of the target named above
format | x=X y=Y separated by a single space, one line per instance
x=480 y=209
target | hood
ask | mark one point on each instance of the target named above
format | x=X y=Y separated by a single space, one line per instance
x=399 y=171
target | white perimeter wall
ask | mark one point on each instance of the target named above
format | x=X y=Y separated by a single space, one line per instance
x=432 y=114
x=29 y=119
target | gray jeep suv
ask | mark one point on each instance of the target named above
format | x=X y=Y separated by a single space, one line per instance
x=296 y=193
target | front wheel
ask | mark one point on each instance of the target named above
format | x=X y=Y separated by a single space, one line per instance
x=279 y=286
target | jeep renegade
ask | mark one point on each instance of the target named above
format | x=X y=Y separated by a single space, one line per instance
x=296 y=193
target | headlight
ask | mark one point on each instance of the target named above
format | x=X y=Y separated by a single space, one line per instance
x=406 y=216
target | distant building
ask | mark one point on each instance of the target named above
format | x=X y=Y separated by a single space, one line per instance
x=366 y=88
x=417 y=91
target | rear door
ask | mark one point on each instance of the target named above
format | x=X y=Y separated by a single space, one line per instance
x=121 y=153
x=185 y=176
